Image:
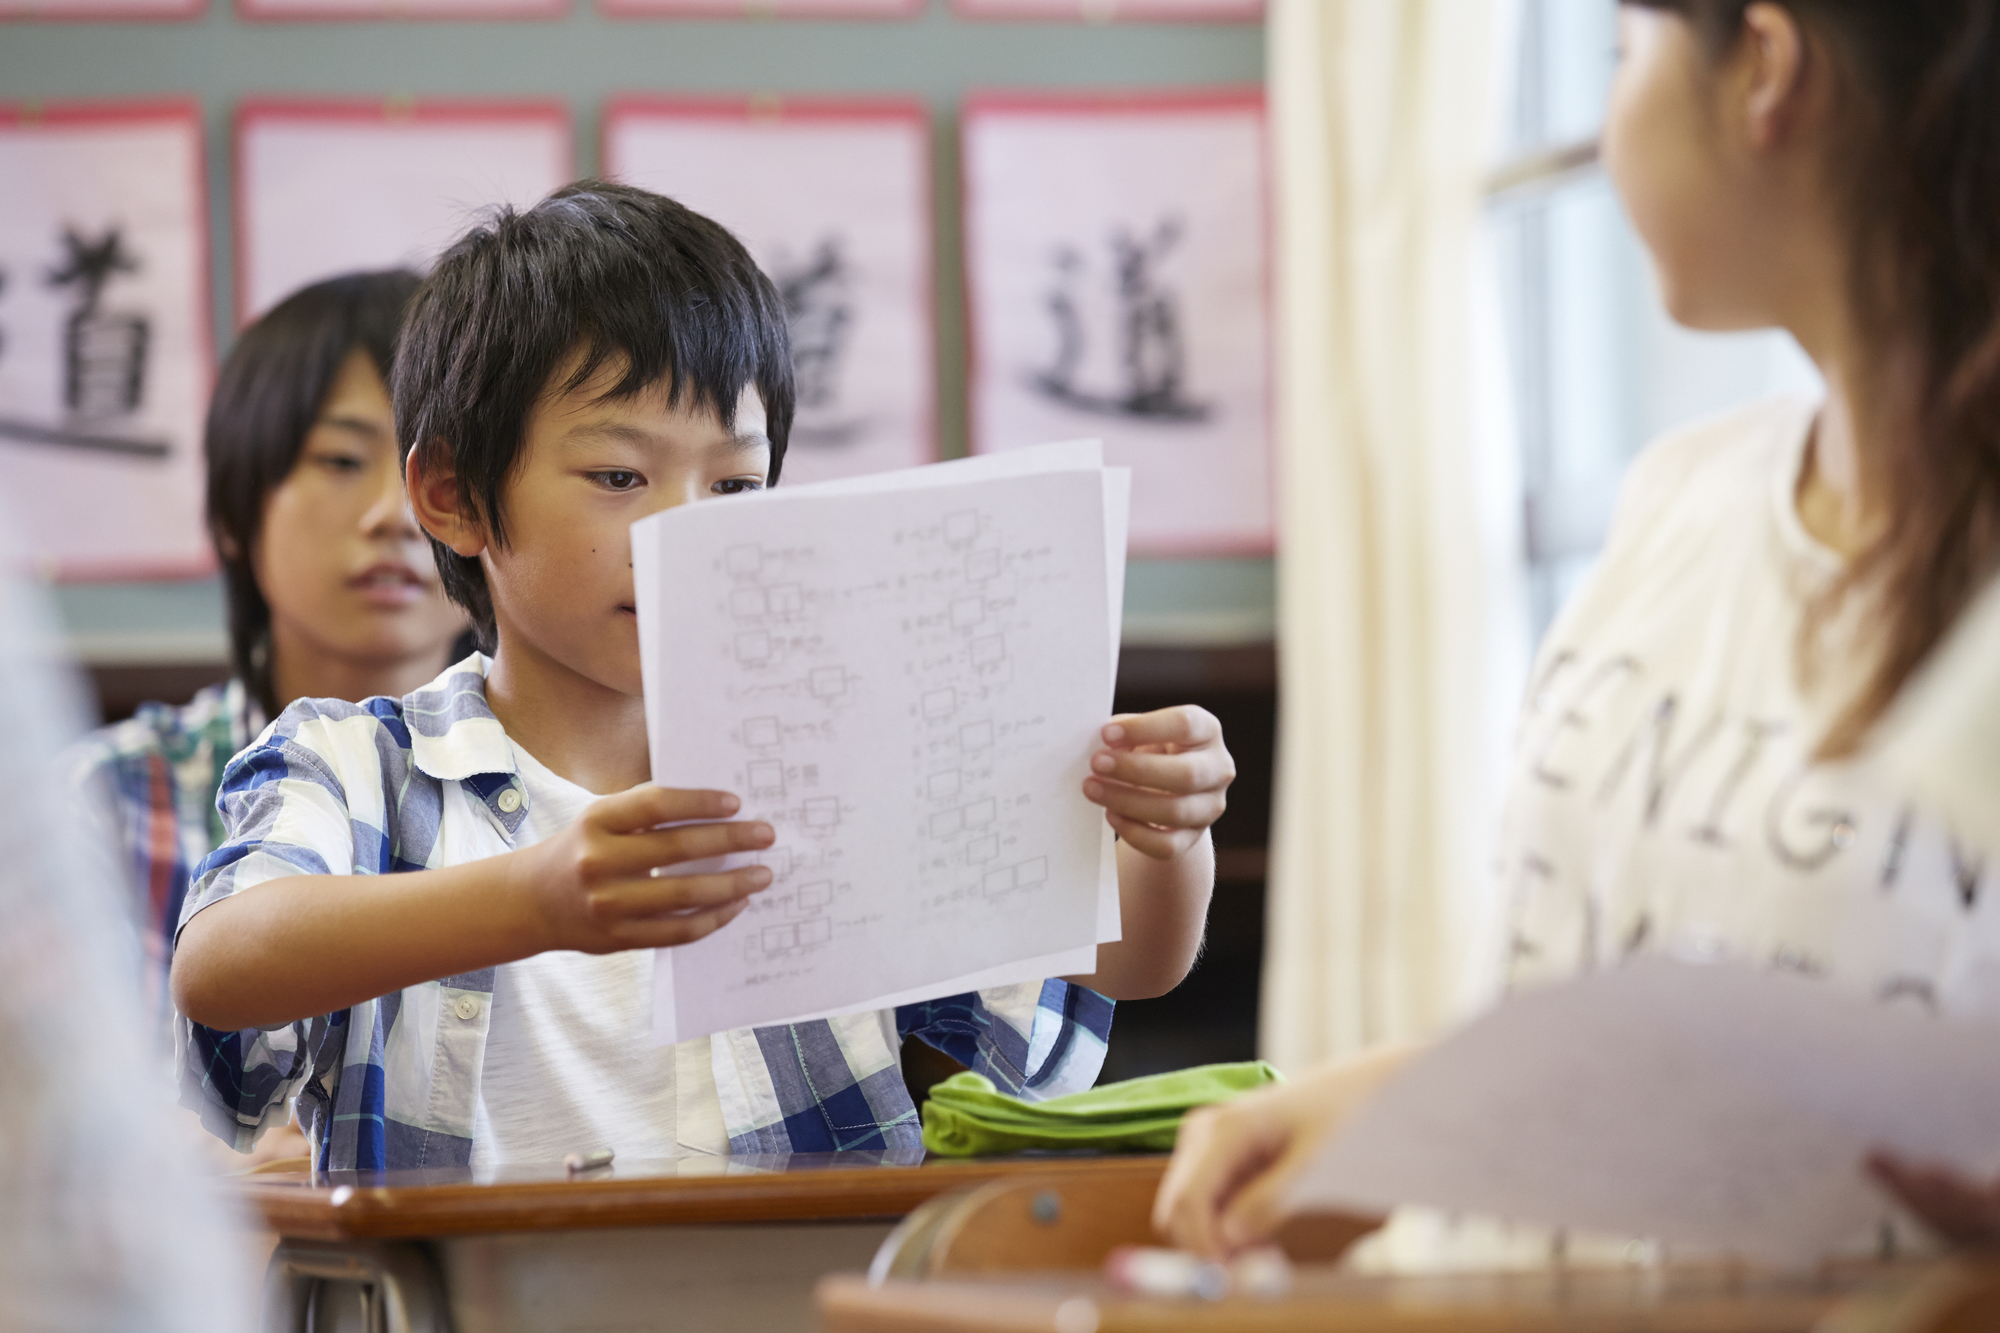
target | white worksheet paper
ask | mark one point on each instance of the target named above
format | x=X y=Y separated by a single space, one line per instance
x=1716 y=1106
x=905 y=675
x=1070 y=455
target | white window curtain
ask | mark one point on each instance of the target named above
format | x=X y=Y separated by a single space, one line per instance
x=1401 y=625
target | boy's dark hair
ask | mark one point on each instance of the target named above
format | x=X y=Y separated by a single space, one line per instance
x=622 y=277
x=266 y=399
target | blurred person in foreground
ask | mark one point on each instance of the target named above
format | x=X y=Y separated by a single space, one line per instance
x=104 y=1221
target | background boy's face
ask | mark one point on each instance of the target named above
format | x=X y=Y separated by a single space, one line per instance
x=562 y=587
x=338 y=557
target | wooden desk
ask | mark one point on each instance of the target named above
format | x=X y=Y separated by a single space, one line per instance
x=689 y=1243
x=1694 y=1300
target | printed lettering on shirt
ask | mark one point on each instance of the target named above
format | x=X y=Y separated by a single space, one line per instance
x=1667 y=766
x=1641 y=824
x=1804 y=837
x=1571 y=715
x=1755 y=735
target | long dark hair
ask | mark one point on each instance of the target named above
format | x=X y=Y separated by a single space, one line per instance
x=266 y=399
x=1920 y=92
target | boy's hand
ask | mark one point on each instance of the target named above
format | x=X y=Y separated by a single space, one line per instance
x=1161 y=778
x=591 y=888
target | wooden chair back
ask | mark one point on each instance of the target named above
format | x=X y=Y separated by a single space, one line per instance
x=1959 y=1295
x=1032 y=1225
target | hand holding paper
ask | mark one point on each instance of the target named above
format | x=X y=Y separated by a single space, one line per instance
x=1162 y=778
x=1720 y=1106
x=594 y=885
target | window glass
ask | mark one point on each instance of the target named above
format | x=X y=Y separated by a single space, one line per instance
x=1597 y=368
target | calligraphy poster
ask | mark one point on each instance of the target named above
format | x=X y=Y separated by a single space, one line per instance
x=1110 y=11
x=1118 y=286
x=106 y=348
x=738 y=9
x=327 y=10
x=834 y=201
x=332 y=187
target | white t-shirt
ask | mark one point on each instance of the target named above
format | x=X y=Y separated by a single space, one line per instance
x=570 y=1061
x=1663 y=798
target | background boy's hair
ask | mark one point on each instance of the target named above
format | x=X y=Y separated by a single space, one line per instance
x=266 y=400
x=626 y=280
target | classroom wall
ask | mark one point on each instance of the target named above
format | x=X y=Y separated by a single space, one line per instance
x=584 y=58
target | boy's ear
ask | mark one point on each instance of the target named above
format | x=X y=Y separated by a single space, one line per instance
x=435 y=500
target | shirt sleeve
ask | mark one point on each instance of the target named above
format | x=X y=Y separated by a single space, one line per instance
x=107 y=799
x=1034 y=1040
x=285 y=812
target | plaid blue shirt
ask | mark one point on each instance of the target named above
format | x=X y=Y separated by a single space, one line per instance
x=150 y=783
x=388 y=785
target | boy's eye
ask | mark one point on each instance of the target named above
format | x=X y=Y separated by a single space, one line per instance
x=738 y=486
x=617 y=479
x=343 y=463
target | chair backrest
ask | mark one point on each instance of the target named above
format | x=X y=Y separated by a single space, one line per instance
x=1959 y=1295
x=1034 y=1224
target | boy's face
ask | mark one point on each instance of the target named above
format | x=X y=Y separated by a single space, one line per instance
x=562 y=586
x=344 y=569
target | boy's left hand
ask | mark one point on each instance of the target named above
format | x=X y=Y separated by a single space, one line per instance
x=1161 y=778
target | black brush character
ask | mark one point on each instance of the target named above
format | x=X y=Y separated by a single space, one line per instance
x=104 y=354
x=1152 y=353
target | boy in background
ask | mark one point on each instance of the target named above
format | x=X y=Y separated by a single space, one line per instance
x=429 y=919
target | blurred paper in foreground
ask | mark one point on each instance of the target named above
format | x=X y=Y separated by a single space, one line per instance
x=1716 y=1106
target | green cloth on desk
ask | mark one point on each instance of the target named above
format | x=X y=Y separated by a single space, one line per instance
x=966 y=1117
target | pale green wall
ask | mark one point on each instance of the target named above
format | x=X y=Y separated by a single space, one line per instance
x=583 y=59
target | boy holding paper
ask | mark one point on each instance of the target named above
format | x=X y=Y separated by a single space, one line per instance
x=429 y=919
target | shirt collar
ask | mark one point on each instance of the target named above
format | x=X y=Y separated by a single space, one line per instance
x=454 y=736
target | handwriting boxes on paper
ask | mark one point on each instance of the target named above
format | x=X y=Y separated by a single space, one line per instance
x=905 y=676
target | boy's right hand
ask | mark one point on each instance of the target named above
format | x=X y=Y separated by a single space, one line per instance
x=591 y=888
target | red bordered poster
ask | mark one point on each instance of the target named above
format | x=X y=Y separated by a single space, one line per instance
x=737 y=9
x=326 y=187
x=833 y=198
x=334 y=10
x=1117 y=284
x=1111 y=11
x=106 y=344
x=100 y=11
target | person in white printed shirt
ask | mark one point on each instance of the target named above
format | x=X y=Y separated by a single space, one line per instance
x=1690 y=775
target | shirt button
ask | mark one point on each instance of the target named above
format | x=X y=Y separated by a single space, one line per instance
x=466 y=1008
x=510 y=801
